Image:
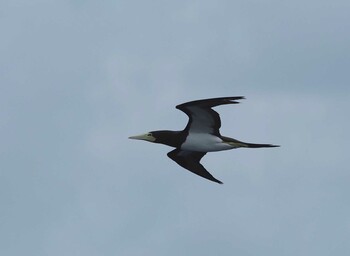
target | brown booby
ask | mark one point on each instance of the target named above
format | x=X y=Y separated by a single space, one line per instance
x=201 y=135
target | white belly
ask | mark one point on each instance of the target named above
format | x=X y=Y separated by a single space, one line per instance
x=204 y=142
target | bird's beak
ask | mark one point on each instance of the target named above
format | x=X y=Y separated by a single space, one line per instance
x=146 y=136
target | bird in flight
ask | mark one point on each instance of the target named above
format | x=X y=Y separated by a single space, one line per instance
x=201 y=135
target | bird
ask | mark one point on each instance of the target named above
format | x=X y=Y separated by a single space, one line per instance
x=200 y=136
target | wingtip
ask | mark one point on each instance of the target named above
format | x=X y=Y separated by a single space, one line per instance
x=239 y=98
x=233 y=99
x=217 y=181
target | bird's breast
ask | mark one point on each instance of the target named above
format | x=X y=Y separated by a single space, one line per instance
x=204 y=142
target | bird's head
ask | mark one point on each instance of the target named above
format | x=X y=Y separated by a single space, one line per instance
x=170 y=138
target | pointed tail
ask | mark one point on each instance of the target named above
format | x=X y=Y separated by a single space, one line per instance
x=240 y=144
x=253 y=145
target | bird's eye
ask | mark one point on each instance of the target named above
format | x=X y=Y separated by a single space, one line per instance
x=150 y=134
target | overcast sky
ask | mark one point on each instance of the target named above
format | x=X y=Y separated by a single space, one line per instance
x=78 y=77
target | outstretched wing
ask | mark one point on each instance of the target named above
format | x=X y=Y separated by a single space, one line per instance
x=190 y=161
x=202 y=118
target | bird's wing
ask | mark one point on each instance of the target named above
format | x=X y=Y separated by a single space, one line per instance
x=202 y=118
x=190 y=161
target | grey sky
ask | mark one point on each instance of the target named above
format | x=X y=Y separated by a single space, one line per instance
x=78 y=77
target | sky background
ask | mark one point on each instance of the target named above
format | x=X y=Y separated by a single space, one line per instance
x=78 y=77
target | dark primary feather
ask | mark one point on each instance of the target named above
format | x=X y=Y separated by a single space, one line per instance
x=212 y=102
x=190 y=161
x=202 y=118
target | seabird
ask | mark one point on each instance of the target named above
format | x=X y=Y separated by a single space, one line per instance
x=201 y=135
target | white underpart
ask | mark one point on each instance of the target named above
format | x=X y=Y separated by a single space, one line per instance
x=204 y=142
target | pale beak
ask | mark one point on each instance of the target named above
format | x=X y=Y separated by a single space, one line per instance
x=147 y=137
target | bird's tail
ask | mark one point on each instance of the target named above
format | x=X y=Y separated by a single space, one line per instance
x=240 y=144
x=253 y=145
